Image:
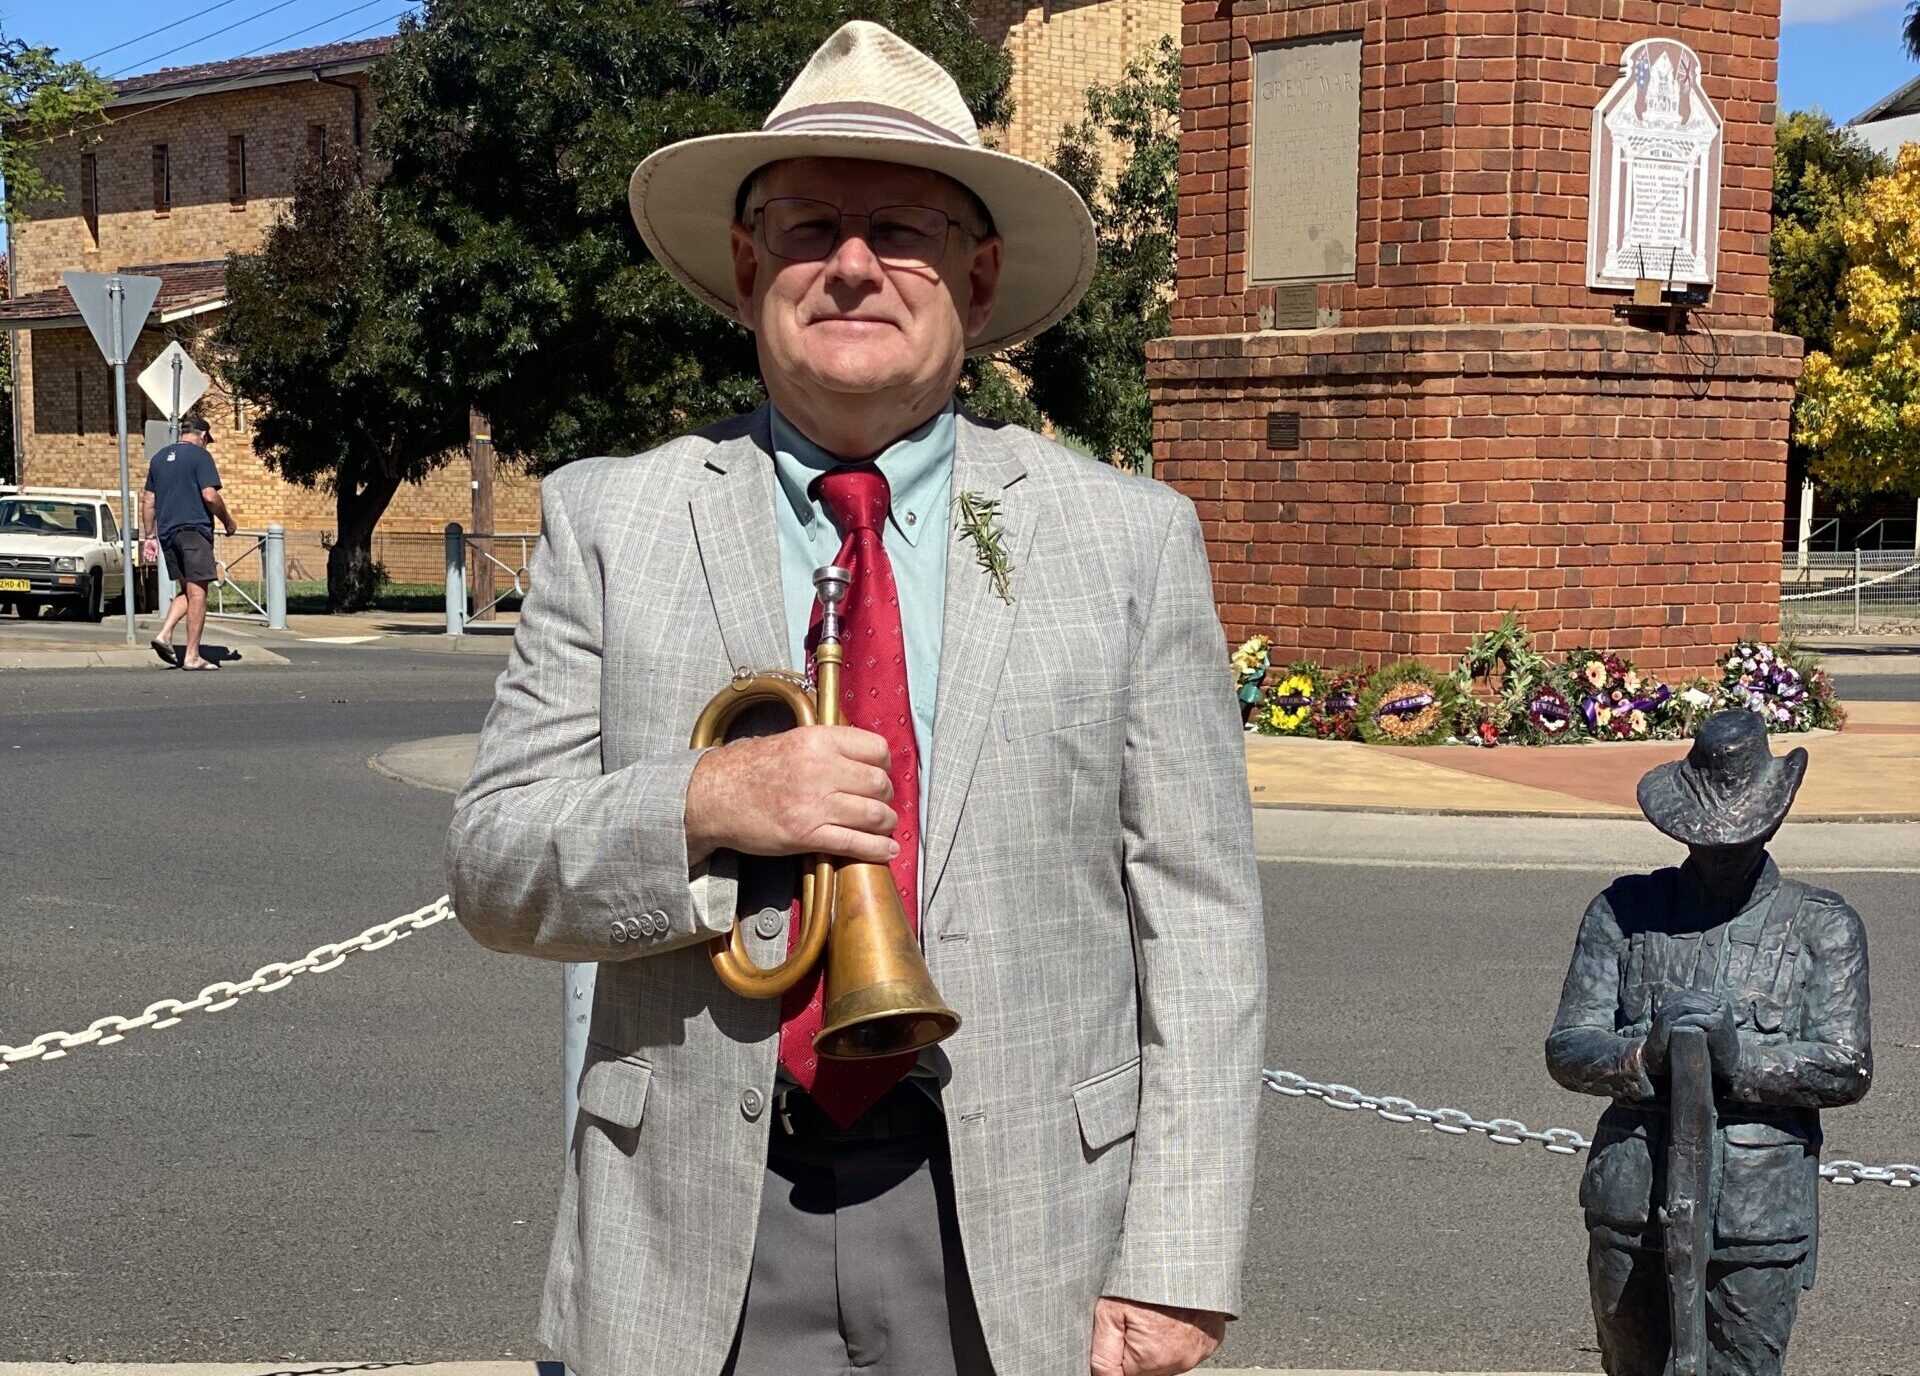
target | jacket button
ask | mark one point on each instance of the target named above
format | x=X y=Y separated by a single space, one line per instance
x=752 y=1102
x=619 y=933
x=770 y=923
x=661 y=923
x=633 y=928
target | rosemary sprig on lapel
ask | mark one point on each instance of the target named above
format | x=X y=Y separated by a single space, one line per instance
x=977 y=518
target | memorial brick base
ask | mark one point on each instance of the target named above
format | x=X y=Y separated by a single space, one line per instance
x=1397 y=401
x=1449 y=473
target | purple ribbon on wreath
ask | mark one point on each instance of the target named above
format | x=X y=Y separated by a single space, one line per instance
x=1410 y=706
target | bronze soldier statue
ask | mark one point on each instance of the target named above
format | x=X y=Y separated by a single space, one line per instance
x=1721 y=1007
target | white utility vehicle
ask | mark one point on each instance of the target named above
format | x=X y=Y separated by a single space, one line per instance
x=60 y=547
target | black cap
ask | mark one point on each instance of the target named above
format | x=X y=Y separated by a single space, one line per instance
x=195 y=425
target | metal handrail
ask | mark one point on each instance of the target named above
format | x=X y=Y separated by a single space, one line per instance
x=224 y=568
x=513 y=572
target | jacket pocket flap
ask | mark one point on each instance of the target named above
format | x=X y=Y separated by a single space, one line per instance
x=614 y=1088
x=1108 y=1105
x=1762 y=1135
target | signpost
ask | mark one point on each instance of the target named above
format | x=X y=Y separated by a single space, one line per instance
x=115 y=307
x=174 y=383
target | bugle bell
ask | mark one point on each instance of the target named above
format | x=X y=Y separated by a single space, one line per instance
x=880 y=999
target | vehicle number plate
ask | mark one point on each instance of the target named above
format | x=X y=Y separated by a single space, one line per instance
x=15 y=585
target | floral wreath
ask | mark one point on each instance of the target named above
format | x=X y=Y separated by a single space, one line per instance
x=1549 y=713
x=1291 y=703
x=1407 y=704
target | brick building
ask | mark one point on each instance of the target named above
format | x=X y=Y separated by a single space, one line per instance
x=1451 y=422
x=196 y=163
x=1059 y=50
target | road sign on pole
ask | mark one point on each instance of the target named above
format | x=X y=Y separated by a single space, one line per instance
x=173 y=382
x=116 y=308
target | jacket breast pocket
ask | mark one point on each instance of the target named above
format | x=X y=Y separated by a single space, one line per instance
x=1617 y=1188
x=613 y=1087
x=1768 y=1179
x=1108 y=1106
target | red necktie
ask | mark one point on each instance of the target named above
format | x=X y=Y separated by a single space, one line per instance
x=874 y=698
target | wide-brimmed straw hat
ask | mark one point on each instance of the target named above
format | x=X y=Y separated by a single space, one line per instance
x=1729 y=790
x=868 y=93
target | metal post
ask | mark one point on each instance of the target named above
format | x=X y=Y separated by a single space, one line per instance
x=1806 y=523
x=1916 y=530
x=117 y=292
x=456 y=579
x=1856 y=590
x=275 y=558
x=577 y=1021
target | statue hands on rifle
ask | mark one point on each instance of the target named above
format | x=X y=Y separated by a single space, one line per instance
x=1700 y=1191
x=1711 y=1013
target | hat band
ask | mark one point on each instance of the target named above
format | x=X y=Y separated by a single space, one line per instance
x=862 y=117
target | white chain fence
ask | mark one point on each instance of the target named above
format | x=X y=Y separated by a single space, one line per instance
x=223 y=994
x=1510 y=1132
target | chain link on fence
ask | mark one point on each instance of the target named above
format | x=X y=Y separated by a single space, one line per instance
x=1856 y=590
x=223 y=994
x=1511 y=1132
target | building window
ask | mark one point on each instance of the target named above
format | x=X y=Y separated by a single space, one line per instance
x=239 y=414
x=162 y=180
x=317 y=142
x=79 y=401
x=90 y=194
x=236 y=169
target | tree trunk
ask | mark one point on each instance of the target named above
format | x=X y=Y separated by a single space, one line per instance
x=353 y=579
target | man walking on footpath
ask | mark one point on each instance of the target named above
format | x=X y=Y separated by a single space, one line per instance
x=182 y=498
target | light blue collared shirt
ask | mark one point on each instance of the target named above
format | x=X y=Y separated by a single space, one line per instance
x=919 y=471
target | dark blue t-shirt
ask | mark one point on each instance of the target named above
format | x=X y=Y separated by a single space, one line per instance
x=175 y=476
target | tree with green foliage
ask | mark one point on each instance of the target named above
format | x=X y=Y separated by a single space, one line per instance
x=511 y=128
x=1912 y=31
x=1859 y=408
x=1088 y=374
x=1820 y=173
x=41 y=99
x=330 y=358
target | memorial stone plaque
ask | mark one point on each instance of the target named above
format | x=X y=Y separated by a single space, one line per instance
x=1306 y=160
x=1654 y=208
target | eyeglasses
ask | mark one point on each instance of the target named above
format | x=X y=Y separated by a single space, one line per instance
x=901 y=236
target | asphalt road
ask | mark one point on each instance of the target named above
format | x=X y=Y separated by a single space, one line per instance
x=364 y=1163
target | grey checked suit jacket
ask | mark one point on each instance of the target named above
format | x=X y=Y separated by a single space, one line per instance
x=1090 y=902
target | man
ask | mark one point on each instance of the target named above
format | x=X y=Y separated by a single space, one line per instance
x=1044 y=749
x=182 y=499
x=1774 y=973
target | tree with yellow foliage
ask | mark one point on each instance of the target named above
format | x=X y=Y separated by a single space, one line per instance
x=1859 y=406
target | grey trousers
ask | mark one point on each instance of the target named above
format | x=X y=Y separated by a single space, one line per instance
x=1750 y=1312
x=857 y=1267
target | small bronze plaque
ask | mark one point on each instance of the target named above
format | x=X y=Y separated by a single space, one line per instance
x=1283 y=429
x=1296 y=307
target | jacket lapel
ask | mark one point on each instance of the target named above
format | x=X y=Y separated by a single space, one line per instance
x=974 y=634
x=733 y=523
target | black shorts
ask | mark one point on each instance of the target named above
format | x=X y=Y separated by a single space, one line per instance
x=189 y=552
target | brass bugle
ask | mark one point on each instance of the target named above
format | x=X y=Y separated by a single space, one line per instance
x=880 y=998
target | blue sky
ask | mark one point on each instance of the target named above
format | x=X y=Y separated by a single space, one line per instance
x=1841 y=55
